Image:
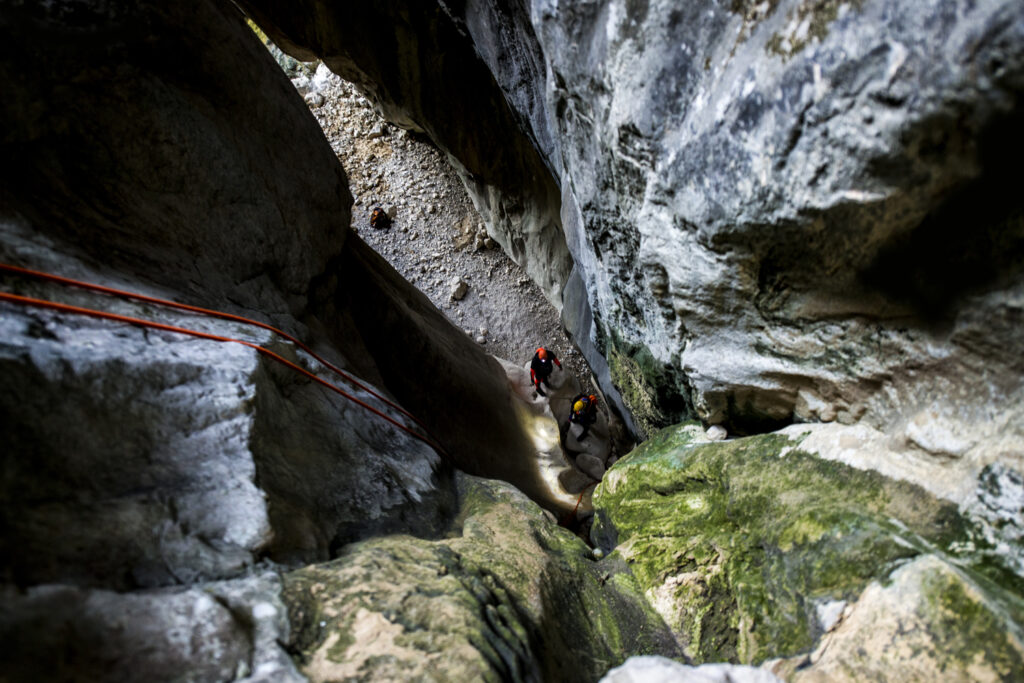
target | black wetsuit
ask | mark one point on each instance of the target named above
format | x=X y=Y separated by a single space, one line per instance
x=584 y=418
x=540 y=370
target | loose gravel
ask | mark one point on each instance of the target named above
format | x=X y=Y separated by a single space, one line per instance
x=436 y=240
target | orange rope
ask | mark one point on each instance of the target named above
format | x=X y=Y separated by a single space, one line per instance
x=66 y=308
x=582 y=493
x=209 y=312
x=565 y=520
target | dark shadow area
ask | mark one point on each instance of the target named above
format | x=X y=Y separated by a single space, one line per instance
x=971 y=242
x=743 y=418
x=431 y=367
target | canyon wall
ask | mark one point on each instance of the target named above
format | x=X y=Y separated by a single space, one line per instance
x=788 y=212
x=777 y=212
x=156 y=487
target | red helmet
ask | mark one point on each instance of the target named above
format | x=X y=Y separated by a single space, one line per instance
x=593 y=398
x=542 y=353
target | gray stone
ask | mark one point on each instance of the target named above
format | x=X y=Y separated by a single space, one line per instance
x=507 y=595
x=458 y=289
x=716 y=433
x=655 y=669
x=221 y=631
x=591 y=465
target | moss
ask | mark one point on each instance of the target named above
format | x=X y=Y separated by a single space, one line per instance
x=507 y=596
x=655 y=392
x=819 y=15
x=967 y=631
x=629 y=378
x=737 y=541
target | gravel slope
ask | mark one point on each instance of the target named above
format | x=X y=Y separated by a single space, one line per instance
x=436 y=239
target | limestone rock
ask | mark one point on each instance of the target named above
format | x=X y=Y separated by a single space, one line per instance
x=992 y=497
x=591 y=465
x=458 y=288
x=655 y=669
x=745 y=547
x=508 y=595
x=778 y=192
x=716 y=433
x=220 y=631
x=914 y=626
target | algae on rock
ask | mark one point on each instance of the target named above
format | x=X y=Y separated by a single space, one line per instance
x=739 y=543
x=510 y=596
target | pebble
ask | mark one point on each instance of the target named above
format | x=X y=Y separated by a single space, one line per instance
x=716 y=433
x=458 y=288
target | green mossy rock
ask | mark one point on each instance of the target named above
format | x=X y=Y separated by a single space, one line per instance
x=509 y=596
x=739 y=543
x=928 y=623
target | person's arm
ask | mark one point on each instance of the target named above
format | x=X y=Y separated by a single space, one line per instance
x=555 y=358
x=533 y=377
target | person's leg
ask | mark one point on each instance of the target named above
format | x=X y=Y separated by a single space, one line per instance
x=583 y=434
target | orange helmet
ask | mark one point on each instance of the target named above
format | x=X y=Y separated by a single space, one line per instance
x=542 y=353
x=593 y=398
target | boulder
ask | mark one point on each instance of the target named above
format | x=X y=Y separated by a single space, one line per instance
x=747 y=546
x=229 y=630
x=656 y=669
x=913 y=625
x=508 y=596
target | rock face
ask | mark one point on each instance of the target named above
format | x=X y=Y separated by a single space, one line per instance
x=417 y=65
x=754 y=549
x=771 y=200
x=509 y=596
x=765 y=207
x=766 y=204
x=150 y=479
